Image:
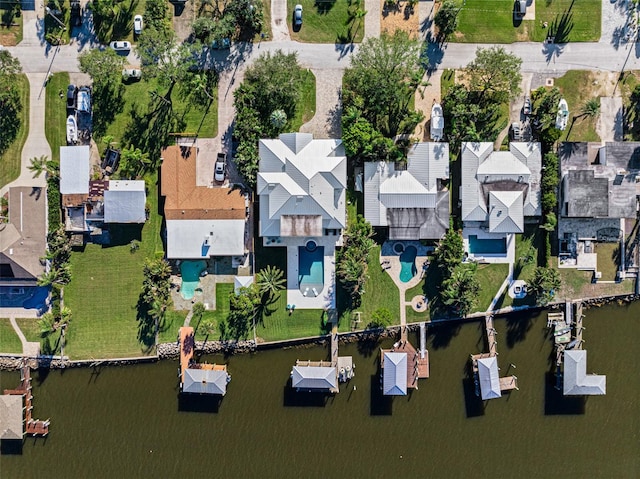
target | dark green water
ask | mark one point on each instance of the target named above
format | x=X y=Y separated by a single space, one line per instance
x=127 y=422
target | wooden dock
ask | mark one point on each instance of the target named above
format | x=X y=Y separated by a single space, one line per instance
x=508 y=383
x=187 y=347
x=417 y=367
x=491 y=335
x=34 y=427
x=334 y=345
x=578 y=326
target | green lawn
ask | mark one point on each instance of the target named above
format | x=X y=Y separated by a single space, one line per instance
x=280 y=325
x=9 y=340
x=576 y=86
x=11 y=35
x=492 y=21
x=307 y=105
x=56 y=113
x=608 y=260
x=30 y=329
x=380 y=290
x=137 y=97
x=490 y=277
x=528 y=246
x=11 y=158
x=325 y=21
x=447 y=81
x=104 y=289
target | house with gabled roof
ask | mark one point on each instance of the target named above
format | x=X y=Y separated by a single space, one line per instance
x=201 y=222
x=499 y=192
x=576 y=381
x=410 y=199
x=301 y=187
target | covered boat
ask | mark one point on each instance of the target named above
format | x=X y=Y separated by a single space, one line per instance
x=437 y=122
x=72 y=130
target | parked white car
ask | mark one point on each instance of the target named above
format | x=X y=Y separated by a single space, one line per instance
x=138 y=24
x=120 y=46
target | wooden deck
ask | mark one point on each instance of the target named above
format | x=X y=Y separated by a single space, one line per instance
x=35 y=427
x=491 y=335
x=334 y=345
x=508 y=383
x=417 y=367
x=187 y=346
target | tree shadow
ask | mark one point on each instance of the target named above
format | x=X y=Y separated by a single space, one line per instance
x=368 y=345
x=518 y=325
x=441 y=334
x=146 y=325
x=618 y=36
x=324 y=6
x=433 y=53
x=122 y=24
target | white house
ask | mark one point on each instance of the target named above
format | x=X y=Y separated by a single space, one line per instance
x=412 y=202
x=302 y=189
x=499 y=190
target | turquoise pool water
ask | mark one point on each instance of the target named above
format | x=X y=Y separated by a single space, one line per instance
x=408 y=264
x=190 y=271
x=487 y=246
x=310 y=268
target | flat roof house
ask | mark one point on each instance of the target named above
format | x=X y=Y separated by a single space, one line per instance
x=412 y=202
x=499 y=190
x=201 y=222
x=302 y=193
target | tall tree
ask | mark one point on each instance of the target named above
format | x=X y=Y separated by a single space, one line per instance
x=446 y=18
x=242 y=311
x=271 y=280
x=207 y=327
x=544 y=284
x=10 y=102
x=460 y=290
x=382 y=80
x=449 y=251
x=43 y=164
x=494 y=72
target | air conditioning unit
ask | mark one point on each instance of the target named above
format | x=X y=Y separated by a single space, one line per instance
x=597 y=275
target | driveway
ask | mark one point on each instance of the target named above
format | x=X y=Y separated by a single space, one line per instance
x=279 y=20
x=610 y=121
x=326 y=122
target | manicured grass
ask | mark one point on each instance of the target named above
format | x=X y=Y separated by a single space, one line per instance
x=137 y=97
x=50 y=344
x=266 y=24
x=447 y=81
x=608 y=260
x=104 y=290
x=9 y=340
x=280 y=325
x=380 y=290
x=576 y=87
x=325 y=21
x=11 y=158
x=490 y=277
x=12 y=35
x=307 y=105
x=30 y=329
x=492 y=21
x=56 y=113
x=528 y=245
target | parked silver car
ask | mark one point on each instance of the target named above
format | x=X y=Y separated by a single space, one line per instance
x=120 y=46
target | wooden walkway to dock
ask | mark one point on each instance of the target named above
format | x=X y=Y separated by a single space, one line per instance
x=491 y=335
x=187 y=346
x=334 y=345
x=35 y=427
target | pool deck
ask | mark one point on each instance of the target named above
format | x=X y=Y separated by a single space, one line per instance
x=326 y=298
x=510 y=255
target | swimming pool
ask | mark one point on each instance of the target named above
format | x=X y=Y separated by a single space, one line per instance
x=487 y=246
x=408 y=263
x=311 y=269
x=191 y=277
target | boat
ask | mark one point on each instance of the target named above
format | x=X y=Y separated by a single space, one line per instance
x=72 y=130
x=563 y=115
x=437 y=122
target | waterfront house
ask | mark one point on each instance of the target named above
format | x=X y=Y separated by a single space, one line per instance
x=499 y=192
x=410 y=200
x=90 y=204
x=301 y=186
x=201 y=222
x=23 y=238
x=576 y=380
x=598 y=199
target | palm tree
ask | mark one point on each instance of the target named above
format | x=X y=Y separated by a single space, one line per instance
x=43 y=164
x=47 y=278
x=591 y=108
x=197 y=311
x=207 y=327
x=47 y=324
x=278 y=119
x=271 y=280
x=64 y=319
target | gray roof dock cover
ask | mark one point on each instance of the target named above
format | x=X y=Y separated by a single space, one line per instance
x=489 y=380
x=576 y=380
x=394 y=374
x=314 y=377
x=205 y=381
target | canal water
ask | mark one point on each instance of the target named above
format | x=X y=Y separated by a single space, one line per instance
x=129 y=422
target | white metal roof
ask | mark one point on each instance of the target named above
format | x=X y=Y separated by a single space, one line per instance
x=197 y=239
x=301 y=176
x=489 y=379
x=241 y=282
x=205 y=381
x=576 y=380
x=505 y=212
x=314 y=377
x=74 y=170
x=394 y=374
